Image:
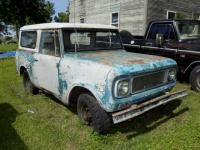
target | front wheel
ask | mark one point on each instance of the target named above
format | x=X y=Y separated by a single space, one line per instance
x=92 y=114
x=195 y=79
x=28 y=86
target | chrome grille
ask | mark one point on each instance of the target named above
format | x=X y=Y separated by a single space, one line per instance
x=148 y=81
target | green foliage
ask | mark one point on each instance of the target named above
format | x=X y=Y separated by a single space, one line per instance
x=25 y=12
x=180 y=16
x=62 y=17
x=2 y=27
x=8 y=47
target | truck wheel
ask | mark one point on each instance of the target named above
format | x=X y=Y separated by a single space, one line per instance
x=92 y=114
x=28 y=86
x=195 y=79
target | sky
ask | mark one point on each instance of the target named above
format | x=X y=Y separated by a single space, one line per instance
x=60 y=5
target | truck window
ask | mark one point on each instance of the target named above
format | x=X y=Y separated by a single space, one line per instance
x=49 y=44
x=166 y=29
x=28 y=39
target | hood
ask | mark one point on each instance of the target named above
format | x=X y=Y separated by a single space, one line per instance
x=125 y=62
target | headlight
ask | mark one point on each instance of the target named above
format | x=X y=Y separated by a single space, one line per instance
x=123 y=88
x=172 y=75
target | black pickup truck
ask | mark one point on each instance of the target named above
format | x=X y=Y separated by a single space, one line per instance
x=176 y=39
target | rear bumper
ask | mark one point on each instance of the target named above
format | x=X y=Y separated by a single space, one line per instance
x=138 y=109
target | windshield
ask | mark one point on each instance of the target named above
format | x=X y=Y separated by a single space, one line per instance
x=189 y=30
x=87 y=40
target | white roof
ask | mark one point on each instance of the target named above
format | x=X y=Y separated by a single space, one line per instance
x=66 y=25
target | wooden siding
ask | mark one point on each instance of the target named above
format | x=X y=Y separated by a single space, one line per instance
x=131 y=13
x=134 y=14
x=157 y=9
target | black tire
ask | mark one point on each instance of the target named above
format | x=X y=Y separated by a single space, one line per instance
x=28 y=86
x=195 y=79
x=92 y=114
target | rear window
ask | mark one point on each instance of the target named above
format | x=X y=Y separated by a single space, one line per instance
x=28 y=39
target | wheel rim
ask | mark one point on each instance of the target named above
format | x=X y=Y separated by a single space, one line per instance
x=85 y=114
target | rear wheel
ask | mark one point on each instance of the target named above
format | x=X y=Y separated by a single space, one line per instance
x=28 y=86
x=92 y=114
x=195 y=79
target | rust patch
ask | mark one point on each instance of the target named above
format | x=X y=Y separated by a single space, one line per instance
x=96 y=54
x=157 y=57
x=136 y=61
x=109 y=63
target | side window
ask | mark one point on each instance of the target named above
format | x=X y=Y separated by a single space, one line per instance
x=49 y=44
x=165 y=29
x=28 y=39
x=57 y=44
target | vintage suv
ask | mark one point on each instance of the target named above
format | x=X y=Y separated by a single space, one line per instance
x=86 y=66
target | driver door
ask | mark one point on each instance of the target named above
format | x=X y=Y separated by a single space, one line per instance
x=47 y=61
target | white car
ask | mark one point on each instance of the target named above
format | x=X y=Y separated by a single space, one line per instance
x=85 y=65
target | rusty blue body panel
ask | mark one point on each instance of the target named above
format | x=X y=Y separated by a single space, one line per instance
x=26 y=60
x=97 y=71
x=125 y=63
x=115 y=65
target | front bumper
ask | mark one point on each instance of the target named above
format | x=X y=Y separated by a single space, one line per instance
x=138 y=109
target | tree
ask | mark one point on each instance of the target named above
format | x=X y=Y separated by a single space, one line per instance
x=62 y=17
x=180 y=16
x=20 y=13
x=2 y=27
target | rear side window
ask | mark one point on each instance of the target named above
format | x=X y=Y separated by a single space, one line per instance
x=166 y=29
x=28 y=39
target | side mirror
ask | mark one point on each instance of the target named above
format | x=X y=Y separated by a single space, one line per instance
x=159 y=39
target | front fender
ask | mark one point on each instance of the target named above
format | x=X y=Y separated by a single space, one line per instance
x=96 y=91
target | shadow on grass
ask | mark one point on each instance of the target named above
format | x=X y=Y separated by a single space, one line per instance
x=9 y=139
x=71 y=108
x=141 y=124
x=150 y=120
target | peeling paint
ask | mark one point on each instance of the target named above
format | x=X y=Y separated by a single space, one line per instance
x=62 y=83
x=97 y=72
x=26 y=60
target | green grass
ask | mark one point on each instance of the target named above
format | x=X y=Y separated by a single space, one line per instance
x=54 y=126
x=8 y=47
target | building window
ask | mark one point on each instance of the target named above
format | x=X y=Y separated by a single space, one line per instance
x=171 y=15
x=115 y=19
x=82 y=20
x=196 y=16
